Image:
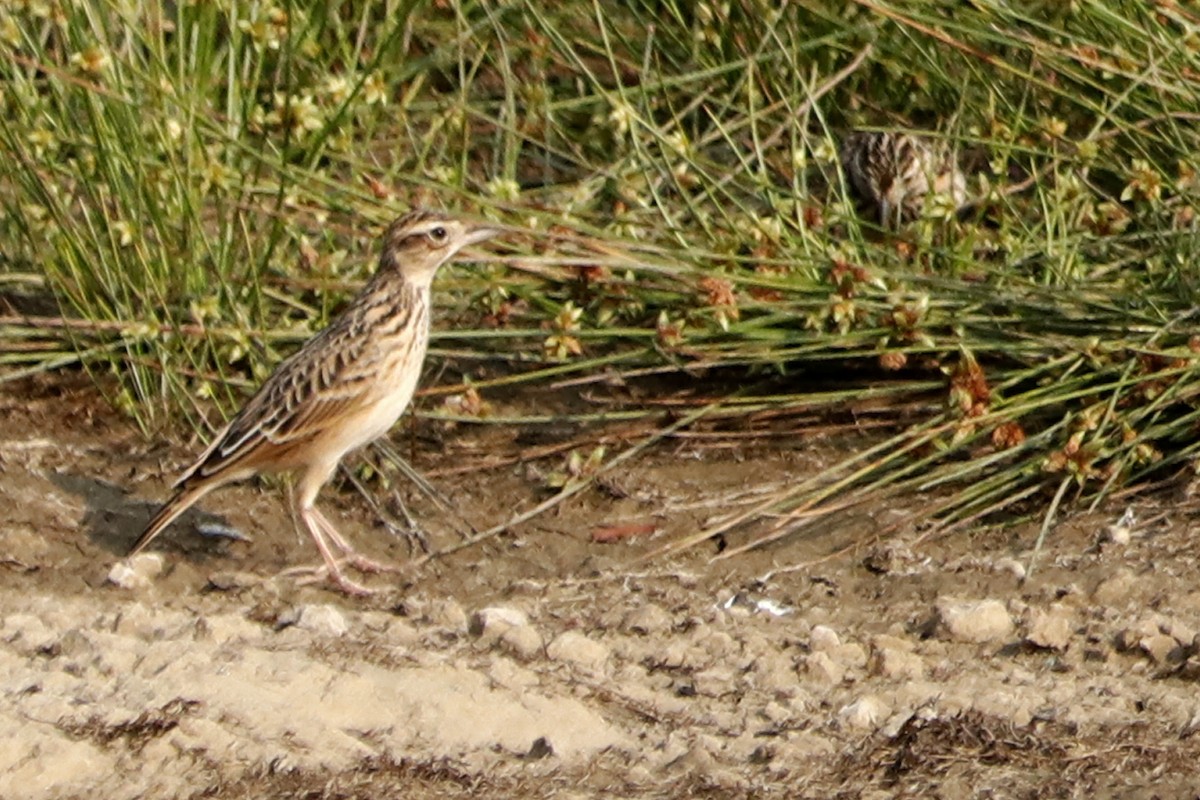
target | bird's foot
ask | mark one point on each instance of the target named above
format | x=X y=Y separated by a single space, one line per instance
x=369 y=566
x=347 y=586
x=324 y=574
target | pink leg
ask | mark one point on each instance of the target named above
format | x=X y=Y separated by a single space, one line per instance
x=353 y=557
x=319 y=527
x=332 y=570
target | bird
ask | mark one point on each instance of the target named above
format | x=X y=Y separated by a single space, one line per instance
x=342 y=389
x=894 y=173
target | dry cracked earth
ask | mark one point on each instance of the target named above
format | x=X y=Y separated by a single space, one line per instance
x=543 y=663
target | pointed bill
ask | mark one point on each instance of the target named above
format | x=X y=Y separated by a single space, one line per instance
x=480 y=233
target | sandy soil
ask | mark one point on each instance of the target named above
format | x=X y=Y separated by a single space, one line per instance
x=541 y=663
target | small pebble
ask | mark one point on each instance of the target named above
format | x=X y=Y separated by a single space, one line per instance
x=975 y=621
x=893 y=662
x=523 y=641
x=75 y=642
x=573 y=647
x=1117 y=590
x=322 y=619
x=1050 y=629
x=715 y=681
x=718 y=644
x=1119 y=535
x=1012 y=566
x=671 y=655
x=646 y=620
x=892 y=642
x=1121 y=531
x=136 y=572
x=823 y=638
x=849 y=655
x=507 y=673
x=230 y=581
x=445 y=612
x=489 y=624
x=866 y=713
x=824 y=669
x=402 y=633
x=776 y=674
x=1179 y=631
x=1159 y=647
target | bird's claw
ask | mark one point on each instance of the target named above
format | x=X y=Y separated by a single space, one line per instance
x=369 y=566
x=335 y=577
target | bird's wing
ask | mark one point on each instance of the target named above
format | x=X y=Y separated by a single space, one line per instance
x=306 y=393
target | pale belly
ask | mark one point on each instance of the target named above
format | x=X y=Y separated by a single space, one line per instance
x=383 y=415
x=393 y=392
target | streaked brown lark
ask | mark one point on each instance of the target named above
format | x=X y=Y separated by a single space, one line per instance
x=344 y=388
x=894 y=173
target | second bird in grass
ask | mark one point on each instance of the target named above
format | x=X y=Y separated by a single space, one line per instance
x=895 y=173
x=344 y=388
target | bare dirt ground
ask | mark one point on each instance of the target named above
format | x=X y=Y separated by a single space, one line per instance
x=541 y=663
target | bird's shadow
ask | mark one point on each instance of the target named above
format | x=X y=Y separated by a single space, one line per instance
x=114 y=518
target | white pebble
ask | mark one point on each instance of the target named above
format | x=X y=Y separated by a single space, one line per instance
x=322 y=619
x=489 y=624
x=1011 y=565
x=823 y=638
x=136 y=572
x=975 y=620
x=866 y=713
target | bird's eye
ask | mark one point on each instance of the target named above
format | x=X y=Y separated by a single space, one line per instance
x=438 y=234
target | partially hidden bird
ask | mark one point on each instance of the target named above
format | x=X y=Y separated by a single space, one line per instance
x=895 y=173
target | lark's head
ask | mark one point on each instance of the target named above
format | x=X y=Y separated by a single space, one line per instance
x=419 y=242
x=890 y=171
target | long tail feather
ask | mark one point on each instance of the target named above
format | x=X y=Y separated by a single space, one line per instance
x=181 y=502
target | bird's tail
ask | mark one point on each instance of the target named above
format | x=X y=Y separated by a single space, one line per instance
x=181 y=502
